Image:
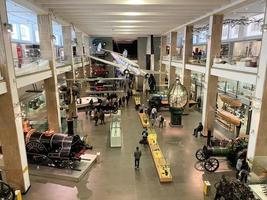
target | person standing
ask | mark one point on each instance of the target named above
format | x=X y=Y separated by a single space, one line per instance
x=199 y=129
x=154 y=113
x=102 y=117
x=137 y=156
x=96 y=117
x=245 y=169
x=161 y=121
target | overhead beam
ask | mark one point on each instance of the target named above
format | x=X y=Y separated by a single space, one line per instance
x=232 y=6
x=119 y=2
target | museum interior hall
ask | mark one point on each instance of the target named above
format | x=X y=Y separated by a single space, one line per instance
x=133 y=100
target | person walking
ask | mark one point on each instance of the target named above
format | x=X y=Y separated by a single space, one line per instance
x=123 y=100
x=127 y=99
x=102 y=117
x=96 y=116
x=137 y=156
x=161 y=121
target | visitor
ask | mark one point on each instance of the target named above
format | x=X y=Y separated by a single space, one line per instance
x=120 y=102
x=161 y=121
x=86 y=109
x=154 y=113
x=123 y=100
x=102 y=117
x=96 y=117
x=238 y=166
x=127 y=99
x=144 y=137
x=244 y=172
x=198 y=130
x=137 y=156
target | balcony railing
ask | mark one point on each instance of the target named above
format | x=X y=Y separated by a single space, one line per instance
x=35 y=66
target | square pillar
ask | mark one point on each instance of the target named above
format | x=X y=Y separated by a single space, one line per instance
x=172 y=69
x=79 y=50
x=50 y=84
x=162 y=54
x=257 y=136
x=210 y=88
x=68 y=52
x=15 y=171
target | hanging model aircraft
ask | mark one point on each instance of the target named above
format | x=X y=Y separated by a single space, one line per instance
x=124 y=64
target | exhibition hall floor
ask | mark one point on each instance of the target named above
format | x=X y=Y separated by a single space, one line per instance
x=115 y=177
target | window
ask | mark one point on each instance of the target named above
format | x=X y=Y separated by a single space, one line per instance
x=15 y=34
x=37 y=39
x=254 y=29
x=234 y=32
x=225 y=32
x=194 y=39
x=203 y=37
x=25 y=32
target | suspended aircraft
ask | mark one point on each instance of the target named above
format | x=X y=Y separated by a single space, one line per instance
x=125 y=65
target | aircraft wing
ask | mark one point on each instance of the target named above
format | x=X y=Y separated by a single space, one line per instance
x=106 y=61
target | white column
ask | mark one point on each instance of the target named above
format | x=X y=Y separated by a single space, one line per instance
x=15 y=170
x=257 y=136
x=50 y=84
x=210 y=88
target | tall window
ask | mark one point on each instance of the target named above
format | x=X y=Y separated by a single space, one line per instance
x=25 y=32
x=254 y=29
x=234 y=32
x=225 y=32
x=15 y=33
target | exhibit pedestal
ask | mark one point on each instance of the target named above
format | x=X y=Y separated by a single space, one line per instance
x=176 y=117
x=64 y=174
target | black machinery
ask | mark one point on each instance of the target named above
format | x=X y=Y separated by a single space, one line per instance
x=6 y=192
x=232 y=150
x=55 y=149
x=230 y=189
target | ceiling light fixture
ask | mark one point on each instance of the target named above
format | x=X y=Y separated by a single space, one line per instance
x=136 y=2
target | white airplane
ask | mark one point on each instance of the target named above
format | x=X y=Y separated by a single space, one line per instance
x=124 y=64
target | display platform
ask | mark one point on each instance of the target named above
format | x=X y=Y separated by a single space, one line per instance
x=64 y=174
x=137 y=101
x=144 y=120
x=85 y=101
x=163 y=169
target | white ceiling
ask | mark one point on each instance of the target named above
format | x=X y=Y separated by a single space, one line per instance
x=129 y=18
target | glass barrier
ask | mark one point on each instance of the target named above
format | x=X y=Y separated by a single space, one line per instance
x=32 y=67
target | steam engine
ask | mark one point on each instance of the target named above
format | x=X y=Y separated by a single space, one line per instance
x=54 y=149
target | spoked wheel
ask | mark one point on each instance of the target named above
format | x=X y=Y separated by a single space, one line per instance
x=211 y=165
x=200 y=155
x=6 y=192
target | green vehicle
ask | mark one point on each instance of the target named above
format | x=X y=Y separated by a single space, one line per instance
x=232 y=151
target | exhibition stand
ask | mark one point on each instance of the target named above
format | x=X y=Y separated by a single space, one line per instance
x=115 y=130
x=87 y=161
x=163 y=169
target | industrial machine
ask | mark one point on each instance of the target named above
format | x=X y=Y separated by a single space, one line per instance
x=233 y=189
x=6 y=192
x=54 y=149
x=232 y=150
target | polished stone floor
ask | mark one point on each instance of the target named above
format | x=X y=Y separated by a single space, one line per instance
x=115 y=177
